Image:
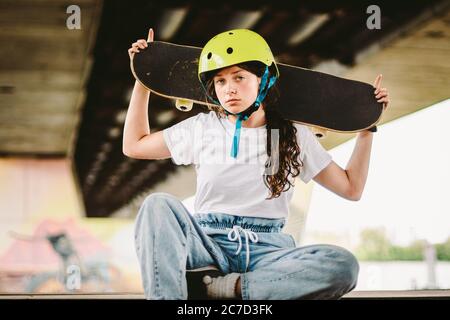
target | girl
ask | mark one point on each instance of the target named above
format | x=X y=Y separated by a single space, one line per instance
x=246 y=158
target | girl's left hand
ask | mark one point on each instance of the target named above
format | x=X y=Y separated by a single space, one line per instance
x=381 y=94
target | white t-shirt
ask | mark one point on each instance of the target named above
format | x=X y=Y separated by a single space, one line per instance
x=235 y=185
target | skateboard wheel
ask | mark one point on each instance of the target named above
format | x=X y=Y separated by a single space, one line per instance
x=184 y=105
x=319 y=132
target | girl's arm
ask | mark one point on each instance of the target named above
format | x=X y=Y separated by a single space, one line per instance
x=350 y=183
x=138 y=142
x=358 y=165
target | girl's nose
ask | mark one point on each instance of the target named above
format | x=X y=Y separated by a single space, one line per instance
x=230 y=90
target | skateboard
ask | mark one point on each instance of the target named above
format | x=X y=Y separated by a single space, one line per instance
x=316 y=99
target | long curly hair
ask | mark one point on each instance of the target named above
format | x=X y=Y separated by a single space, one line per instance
x=289 y=163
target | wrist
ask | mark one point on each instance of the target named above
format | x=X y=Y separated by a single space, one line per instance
x=139 y=87
x=365 y=133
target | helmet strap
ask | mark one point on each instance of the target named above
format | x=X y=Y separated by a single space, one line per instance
x=244 y=115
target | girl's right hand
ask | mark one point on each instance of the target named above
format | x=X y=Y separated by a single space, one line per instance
x=140 y=44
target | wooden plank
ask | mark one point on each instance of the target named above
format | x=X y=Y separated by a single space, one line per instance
x=61 y=120
x=433 y=35
x=36 y=143
x=38 y=101
x=41 y=80
x=37 y=54
x=44 y=66
x=48 y=13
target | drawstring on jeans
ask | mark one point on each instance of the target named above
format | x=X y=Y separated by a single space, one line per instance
x=234 y=235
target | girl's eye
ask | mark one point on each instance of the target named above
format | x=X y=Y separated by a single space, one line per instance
x=221 y=81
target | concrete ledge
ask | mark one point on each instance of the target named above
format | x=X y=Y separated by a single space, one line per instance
x=398 y=294
x=107 y=296
x=411 y=294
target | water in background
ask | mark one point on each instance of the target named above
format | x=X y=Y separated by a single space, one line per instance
x=402 y=275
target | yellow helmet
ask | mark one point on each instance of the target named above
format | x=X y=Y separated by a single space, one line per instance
x=233 y=47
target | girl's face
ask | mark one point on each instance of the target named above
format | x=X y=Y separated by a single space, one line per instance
x=236 y=88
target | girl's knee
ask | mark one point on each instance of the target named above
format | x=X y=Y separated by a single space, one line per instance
x=154 y=207
x=162 y=209
x=157 y=203
x=342 y=267
x=158 y=198
x=156 y=214
x=347 y=268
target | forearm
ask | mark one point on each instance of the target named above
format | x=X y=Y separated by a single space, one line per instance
x=136 y=122
x=358 y=166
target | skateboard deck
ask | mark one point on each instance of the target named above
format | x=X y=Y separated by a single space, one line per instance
x=313 y=98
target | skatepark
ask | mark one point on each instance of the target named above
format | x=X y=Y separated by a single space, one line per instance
x=69 y=196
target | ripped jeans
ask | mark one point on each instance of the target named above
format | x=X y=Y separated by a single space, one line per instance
x=169 y=241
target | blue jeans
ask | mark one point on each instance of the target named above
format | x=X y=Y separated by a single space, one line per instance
x=169 y=241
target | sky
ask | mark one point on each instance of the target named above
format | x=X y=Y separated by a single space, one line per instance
x=408 y=187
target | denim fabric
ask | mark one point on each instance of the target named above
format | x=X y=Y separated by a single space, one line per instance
x=169 y=241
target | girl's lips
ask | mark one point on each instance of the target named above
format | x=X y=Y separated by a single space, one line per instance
x=233 y=100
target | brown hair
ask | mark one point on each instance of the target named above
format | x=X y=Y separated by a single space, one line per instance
x=288 y=148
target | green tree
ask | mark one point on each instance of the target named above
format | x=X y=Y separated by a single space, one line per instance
x=374 y=245
x=413 y=252
x=443 y=250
